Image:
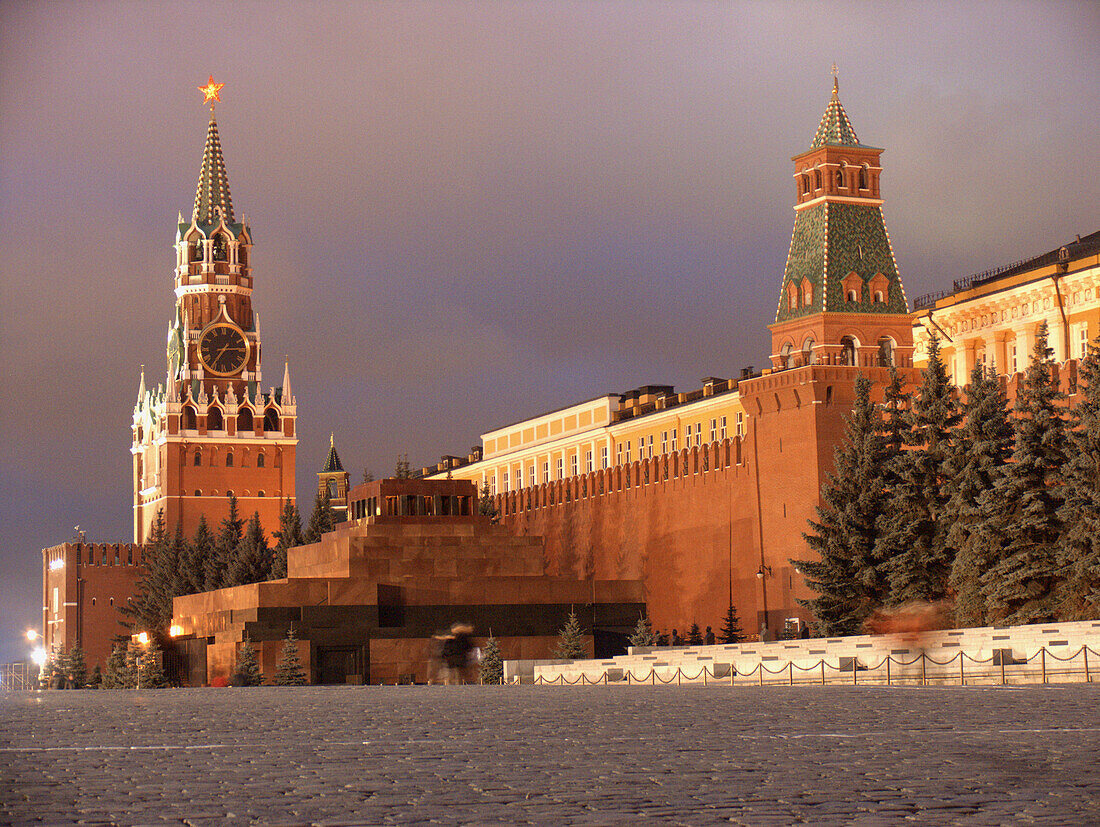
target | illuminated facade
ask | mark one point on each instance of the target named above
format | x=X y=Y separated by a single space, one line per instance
x=991 y=318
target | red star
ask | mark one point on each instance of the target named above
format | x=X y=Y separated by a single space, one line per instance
x=210 y=91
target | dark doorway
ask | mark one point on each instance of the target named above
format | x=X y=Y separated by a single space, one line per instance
x=342 y=664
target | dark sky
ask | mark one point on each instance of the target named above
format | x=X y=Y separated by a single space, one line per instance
x=466 y=214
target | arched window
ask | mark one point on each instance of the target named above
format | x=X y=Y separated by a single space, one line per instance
x=195 y=250
x=229 y=493
x=214 y=420
x=807 y=292
x=259 y=460
x=885 y=351
x=220 y=247
x=785 y=356
x=271 y=420
x=229 y=459
x=261 y=493
x=198 y=492
x=93 y=601
x=190 y=422
x=332 y=489
x=198 y=458
x=817 y=178
x=244 y=420
x=840 y=178
x=808 y=351
x=242 y=255
x=863 y=177
x=848 y=351
x=878 y=297
x=853 y=296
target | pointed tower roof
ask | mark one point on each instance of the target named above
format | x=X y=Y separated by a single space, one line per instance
x=332 y=464
x=213 y=189
x=835 y=128
x=141 y=388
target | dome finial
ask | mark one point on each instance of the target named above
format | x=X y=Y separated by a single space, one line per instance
x=836 y=84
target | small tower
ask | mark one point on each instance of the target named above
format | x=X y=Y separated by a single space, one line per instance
x=842 y=301
x=332 y=482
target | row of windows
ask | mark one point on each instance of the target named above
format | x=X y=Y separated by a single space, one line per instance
x=117 y=557
x=216 y=422
x=624 y=454
x=840 y=177
x=260 y=459
x=848 y=353
x=219 y=248
x=1079 y=350
x=260 y=493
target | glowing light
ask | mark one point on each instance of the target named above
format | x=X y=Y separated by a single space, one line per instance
x=143 y=638
x=32 y=635
x=174 y=631
x=211 y=90
x=57 y=564
x=39 y=656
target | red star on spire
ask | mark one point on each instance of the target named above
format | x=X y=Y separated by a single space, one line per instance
x=210 y=91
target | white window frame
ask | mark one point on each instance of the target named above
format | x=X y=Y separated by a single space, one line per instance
x=588 y=462
x=606 y=456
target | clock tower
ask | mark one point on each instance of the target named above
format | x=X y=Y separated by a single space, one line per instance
x=211 y=430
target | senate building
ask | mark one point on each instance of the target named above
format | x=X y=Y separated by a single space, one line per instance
x=658 y=501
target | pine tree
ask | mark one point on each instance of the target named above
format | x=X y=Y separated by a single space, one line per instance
x=367 y=476
x=289 y=671
x=847 y=575
x=570 y=640
x=321 y=520
x=49 y=671
x=289 y=535
x=912 y=543
x=643 y=632
x=1079 y=545
x=492 y=665
x=402 y=470
x=229 y=537
x=731 y=627
x=251 y=562
x=150 y=672
x=982 y=447
x=695 y=635
x=115 y=676
x=195 y=563
x=485 y=505
x=151 y=608
x=247 y=671
x=133 y=666
x=1020 y=585
x=895 y=408
x=77 y=668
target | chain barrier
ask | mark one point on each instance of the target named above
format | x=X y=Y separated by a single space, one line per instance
x=759 y=670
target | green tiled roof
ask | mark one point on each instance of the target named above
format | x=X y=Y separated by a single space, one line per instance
x=835 y=128
x=332 y=464
x=213 y=189
x=830 y=241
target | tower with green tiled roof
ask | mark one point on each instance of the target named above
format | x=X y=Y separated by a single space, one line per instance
x=333 y=482
x=841 y=300
x=213 y=429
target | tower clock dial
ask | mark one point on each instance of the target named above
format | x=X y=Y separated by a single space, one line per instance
x=223 y=349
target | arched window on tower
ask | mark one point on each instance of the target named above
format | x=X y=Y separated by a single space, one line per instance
x=194 y=251
x=808 y=351
x=332 y=489
x=190 y=421
x=863 y=177
x=885 y=351
x=214 y=421
x=841 y=184
x=220 y=247
x=198 y=458
x=848 y=346
x=244 y=420
x=817 y=178
x=229 y=459
x=785 y=356
x=259 y=460
x=271 y=420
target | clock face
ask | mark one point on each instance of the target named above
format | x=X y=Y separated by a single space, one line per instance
x=223 y=349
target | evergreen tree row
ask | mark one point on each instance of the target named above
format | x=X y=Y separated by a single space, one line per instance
x=238 y=554
x=940 y=498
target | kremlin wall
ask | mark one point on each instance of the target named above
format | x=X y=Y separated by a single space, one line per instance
x=674 y=504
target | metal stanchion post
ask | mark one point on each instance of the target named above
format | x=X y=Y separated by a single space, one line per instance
x=1085 y=652
x=1044 y=652
x=823 y=671
x=790 y=673
x=962 y=674
x=1002 y=668
x=887 y=670
x=677 y=675
x=855 y=670
x=923 y=669
x=760 y=667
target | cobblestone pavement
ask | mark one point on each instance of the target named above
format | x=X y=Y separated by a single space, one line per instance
x=545 y=755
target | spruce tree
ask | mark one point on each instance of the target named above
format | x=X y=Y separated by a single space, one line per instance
x=229 y=537
x=251 y=562
x=150 y=672
x=133 y=666
x=289 y=671
x=115 y=675
x=402 y=470
x=570 y=640
x=912 y=543
x=1079 y=544
x=247 y=671
x=847 y=575
x=492 y=665
x=195 y=564
x=643 y=632
x=289 y=535
x=1020 y=585
x=320 y=521
x=485 y=505
x=77 y=668
x=895 y=409
x=367 y=476
x=983 y=444
x=695 y=635
x=731 y=631
x=151 y=608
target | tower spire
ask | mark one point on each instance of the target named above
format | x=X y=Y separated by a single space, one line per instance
x=212 y=193
x=835 y=128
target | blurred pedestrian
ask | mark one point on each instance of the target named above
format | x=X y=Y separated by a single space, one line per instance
x=458 y=653
x=676 y=639
x=708 y=638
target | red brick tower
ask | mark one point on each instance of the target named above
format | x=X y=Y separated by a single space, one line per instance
x=211 y=430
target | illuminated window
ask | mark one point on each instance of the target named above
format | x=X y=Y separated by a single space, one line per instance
x=664 y=442
x=674 y=440
x=714 y=430
x=722 y=433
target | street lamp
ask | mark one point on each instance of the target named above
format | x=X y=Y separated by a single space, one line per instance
x=763 y=571
x=32 y=635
